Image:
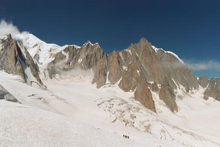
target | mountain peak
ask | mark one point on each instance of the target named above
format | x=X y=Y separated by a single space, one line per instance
x=143 y=40
x=9 y=36
x=90 y=43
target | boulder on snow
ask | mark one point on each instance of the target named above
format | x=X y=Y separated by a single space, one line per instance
x=5 y=95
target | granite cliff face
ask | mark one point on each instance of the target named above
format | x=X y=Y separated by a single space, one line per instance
x=14 y=59
x=168 y=96
x=213 y=89
x=144 y=95
x=203 y=81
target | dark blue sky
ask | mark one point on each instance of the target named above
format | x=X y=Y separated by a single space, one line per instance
x=190 y=28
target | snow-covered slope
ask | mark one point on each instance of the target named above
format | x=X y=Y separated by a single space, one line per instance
x=79 y=114
x=41 y=51
x=168 y=52
x=36 y=128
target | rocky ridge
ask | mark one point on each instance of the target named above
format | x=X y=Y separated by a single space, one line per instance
x=213 y=89
x=141 y=68
x=139 y=62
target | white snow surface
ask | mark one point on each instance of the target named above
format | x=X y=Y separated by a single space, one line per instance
x=168 y=52
x=24 y=126
x=155 y=48
x=125 y=68
x=30 y=77
x=73 y=112
x=35 y=46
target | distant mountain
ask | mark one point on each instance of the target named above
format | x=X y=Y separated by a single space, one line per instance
x=140 y=68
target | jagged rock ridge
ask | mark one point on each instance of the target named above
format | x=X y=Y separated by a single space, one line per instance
x=213 y=89
x=140 y=68
x=127 y=67
x=15 y=59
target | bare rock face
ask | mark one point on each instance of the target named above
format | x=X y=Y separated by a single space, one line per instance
x=143 y=94
x=172 y=68
x=16 y=60
x=213 y=89
x=87 y=57
x=5 y=95
x=154 y=87
x=129 y=79
x=157 y=65
x=100 y=72
x=62 y=61
x=9 y=60
x=115 y=71
x=167 y=95
x=203 y=81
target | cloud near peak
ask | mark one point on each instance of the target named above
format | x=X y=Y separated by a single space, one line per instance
x=203 y=65
x=8 y=28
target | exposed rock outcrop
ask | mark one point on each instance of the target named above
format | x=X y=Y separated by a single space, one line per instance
x=154 y=87
x=213 y=89
x=167 y=95
x=129 y=79
x=86 y=58
x=144 y=95
x=62 y=61
x=16 y=60
x=115 y=70
x=203 y=81
x=5 y=95
x=100 y=74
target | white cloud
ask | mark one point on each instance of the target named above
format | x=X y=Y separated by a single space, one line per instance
x=8 y=28
x=204 y=65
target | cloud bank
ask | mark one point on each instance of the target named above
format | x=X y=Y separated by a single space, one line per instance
x=8 y=28
x=203 y=65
